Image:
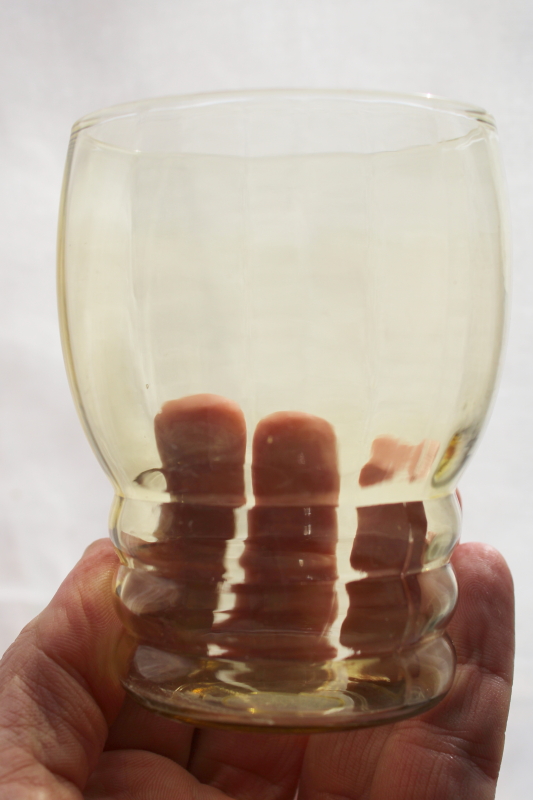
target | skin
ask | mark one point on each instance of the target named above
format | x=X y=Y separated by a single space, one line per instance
x=68 y=732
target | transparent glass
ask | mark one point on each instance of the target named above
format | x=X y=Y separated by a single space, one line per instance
x=282 y=316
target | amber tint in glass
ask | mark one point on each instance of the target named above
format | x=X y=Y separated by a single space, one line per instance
x=282 y=316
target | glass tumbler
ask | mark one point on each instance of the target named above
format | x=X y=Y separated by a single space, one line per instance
x=282 y=316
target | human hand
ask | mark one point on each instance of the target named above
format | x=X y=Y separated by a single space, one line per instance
x=66 y=730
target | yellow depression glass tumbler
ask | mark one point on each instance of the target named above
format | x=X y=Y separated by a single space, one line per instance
x=282 y=316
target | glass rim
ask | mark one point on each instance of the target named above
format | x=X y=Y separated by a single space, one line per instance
x=197 y=100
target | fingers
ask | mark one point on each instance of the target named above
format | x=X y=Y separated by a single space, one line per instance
x=385 y=604
x=191 y=553
x=284 y=605
x=295 y=461
x=455 y=749
x=138 y=775
x=391 y=457
x=170 y=599
x=136 y=728
x=466 y=731
x=201 y=441
x=249 y=766
x=483 y=634
x=390 y=539
x=58 y=684
x=483 y=626
x=287 y=599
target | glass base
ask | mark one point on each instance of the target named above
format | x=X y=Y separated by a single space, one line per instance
x=290 y=696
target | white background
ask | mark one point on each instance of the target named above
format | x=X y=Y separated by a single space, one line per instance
x=62 y=58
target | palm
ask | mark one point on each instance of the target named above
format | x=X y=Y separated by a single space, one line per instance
x=58 y=696
x=452 y=751
x=61 y=703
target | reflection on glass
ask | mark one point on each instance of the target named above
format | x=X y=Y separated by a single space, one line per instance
x=282 y=315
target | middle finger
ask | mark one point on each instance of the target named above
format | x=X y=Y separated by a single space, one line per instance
x=284 y=605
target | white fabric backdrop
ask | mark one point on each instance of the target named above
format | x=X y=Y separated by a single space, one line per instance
x=62 y=58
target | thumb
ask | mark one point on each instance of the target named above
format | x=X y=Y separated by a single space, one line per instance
x=59 y=686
